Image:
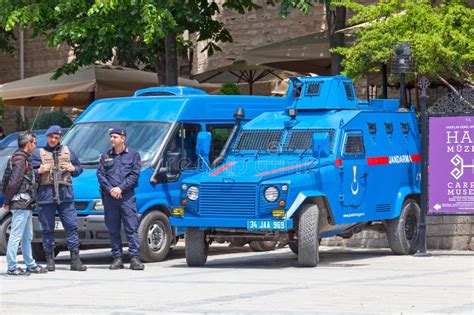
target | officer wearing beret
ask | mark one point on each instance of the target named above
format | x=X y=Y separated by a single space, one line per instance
x=118 y=172
x=55 y=157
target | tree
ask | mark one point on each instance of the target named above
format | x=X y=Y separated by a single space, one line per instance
x=335 y=20
x=440 y=36
x=137 y=30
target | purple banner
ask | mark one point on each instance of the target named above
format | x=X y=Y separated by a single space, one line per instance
x=451 y=165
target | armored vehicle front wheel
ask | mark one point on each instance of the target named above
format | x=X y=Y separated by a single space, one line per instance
x=196 y=247
x=5 y=229
x=308 y=236
x=155 y=236
x=402 y=232
x=263 y=246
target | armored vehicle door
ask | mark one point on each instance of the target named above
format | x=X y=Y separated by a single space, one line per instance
x=354 y=175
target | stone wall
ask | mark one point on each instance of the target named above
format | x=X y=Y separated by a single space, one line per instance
x=38 y=59
x=443 y=232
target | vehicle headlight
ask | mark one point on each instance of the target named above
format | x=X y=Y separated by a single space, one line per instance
x=271 y=194
x=98 y=205
x=193 y=193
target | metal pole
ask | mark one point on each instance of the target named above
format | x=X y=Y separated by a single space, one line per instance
x=402 y=91
x=423 y=84
x=384 y=81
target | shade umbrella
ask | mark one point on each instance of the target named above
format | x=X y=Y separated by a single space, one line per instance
x=238 y=72
x=84 y=86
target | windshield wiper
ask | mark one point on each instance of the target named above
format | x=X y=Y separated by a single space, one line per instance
x=90 y=163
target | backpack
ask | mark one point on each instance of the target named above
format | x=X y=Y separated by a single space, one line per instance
x=6 y=175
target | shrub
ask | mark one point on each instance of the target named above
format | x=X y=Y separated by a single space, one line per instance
x=229 y=89
x=55 y=118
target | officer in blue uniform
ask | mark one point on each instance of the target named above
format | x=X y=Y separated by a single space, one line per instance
x=55 y=157
x=118 y=172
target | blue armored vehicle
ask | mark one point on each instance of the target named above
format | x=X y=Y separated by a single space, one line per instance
x=329 y=165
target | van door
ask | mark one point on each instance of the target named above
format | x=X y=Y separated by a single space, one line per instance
x=354 y=181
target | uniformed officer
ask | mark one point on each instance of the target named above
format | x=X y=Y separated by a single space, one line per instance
x=118 y=172
x=55 y=157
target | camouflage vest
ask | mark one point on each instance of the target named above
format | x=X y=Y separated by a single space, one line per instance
x=64 y=157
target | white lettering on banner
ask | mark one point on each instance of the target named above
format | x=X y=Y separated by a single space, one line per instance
x=465 y=137
x=398 y=159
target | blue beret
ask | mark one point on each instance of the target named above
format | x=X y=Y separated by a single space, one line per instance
x=55 y=129
x=119 y=131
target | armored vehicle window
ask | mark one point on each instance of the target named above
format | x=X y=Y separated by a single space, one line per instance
x=349 y=92
x=220 y=133
x=312 y=89
x=354 y=144
x=301 y=140
x=253 y=140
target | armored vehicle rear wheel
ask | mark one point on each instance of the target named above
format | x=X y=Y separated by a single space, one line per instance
x=38 y=253
x=263 y=246
x=196 y=247
x=403 y=232
x=155 y=236
x=308 y=236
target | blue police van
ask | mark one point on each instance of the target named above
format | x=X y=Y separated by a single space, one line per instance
x=329 y=165
x=162 y=124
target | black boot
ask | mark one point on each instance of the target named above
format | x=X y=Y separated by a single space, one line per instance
x=136 y=264
x=116 y=264
x=50 y=261
x=76 y=263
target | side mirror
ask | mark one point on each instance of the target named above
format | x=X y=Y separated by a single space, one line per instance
x=203 y=145
x=321 y=145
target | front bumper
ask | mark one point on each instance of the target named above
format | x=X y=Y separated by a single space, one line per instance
x=90 y=229
x=206 y=223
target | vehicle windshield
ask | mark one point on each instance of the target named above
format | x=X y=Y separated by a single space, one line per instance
x=4 y=154
x=89 y=140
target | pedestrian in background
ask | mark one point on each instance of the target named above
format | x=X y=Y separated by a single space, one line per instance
x=19 y=194
x=118 y=173
x=67 y=165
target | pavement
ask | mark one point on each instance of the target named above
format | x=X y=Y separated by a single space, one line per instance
x=239 y=281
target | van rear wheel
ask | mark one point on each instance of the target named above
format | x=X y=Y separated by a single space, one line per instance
x=403 y=232
x=38 y=252
x=196 y=247
x=155 y=236
x=308 y=236
x=263 y=246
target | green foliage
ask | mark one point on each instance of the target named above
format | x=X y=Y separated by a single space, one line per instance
x=134 y=29
x=20 y=124
x=229 y=88
x=440 y=37
x=54 y=118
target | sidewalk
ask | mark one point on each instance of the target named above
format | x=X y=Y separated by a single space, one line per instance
x=347 y=281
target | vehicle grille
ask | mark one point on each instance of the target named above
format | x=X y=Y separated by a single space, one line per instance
x=227 y=200
x=252 y=140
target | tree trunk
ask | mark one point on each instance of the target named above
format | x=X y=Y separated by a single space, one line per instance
x=335 y=20
x=161 y=69
x=171 y=59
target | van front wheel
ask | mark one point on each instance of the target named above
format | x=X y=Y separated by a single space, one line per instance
x=155 y=236
x=308 y=236
x=196 y=247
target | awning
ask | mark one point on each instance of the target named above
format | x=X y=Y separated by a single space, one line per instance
x=304 y=54
x=84 y=86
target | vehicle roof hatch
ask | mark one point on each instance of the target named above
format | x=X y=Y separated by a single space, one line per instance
x=169 y=91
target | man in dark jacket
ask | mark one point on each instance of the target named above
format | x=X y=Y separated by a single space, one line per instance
x=118 y=173
x=19 y=198
x=57 y=163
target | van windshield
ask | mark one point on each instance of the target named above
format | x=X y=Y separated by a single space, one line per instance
x=89 y=140
x=5 y=153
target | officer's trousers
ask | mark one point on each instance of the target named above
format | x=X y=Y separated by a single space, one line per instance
x=118 y=211
x=67 y=214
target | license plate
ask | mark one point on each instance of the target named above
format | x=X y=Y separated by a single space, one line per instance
x=266 y=225
x=58 y=226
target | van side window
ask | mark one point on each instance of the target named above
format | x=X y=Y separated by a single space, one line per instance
x=220 y=134
x=184 y=142
x=354 y=144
